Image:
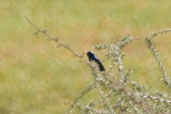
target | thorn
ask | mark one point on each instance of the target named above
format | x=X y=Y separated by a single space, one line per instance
x=36 y=33
x=123 y=55
x=58 y=45
x=56 y=38
x=44 y=31
x=128 y=35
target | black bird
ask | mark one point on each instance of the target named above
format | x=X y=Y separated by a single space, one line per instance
x=92 y=57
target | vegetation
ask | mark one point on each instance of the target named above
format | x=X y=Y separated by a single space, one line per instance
x=37 y=77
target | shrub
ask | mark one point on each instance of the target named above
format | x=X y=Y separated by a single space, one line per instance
x=117 y=93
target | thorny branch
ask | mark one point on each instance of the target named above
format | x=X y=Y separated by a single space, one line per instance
x=56 y=39
x=132 y=97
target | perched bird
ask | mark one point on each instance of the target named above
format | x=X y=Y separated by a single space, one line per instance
x=92 y=57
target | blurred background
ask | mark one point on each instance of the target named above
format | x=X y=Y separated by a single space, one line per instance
x=36 y=77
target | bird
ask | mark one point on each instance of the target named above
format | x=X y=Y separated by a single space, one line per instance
x=92 y=57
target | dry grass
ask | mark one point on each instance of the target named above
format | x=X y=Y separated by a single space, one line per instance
x=35 y=76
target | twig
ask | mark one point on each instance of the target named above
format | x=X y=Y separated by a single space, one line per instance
x=45 y=33
x=84 y=92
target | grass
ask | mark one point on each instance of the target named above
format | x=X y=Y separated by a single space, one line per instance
x=36 y=77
